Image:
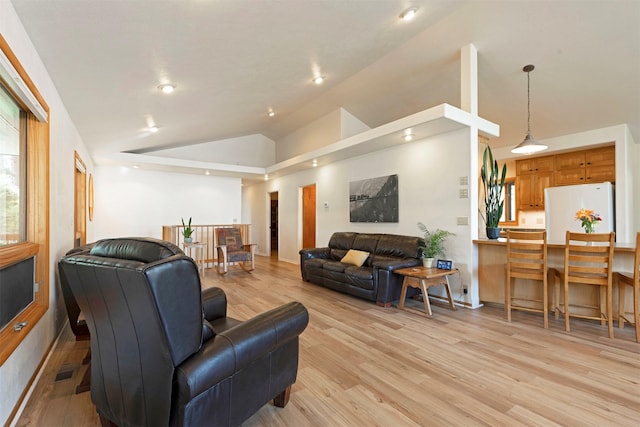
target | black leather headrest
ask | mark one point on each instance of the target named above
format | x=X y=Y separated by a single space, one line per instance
x=143 y=249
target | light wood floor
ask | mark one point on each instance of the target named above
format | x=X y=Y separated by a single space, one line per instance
x=363 y=365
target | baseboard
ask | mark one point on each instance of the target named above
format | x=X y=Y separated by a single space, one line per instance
x=456 y=302
x=33 y=382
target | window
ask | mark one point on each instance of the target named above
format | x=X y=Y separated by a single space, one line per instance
x=509 y=213
x=13 y=168
x=24 y=167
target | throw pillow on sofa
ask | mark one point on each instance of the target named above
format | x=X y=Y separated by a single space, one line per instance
x=355 y=257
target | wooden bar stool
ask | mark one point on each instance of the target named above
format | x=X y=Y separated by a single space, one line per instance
x=625 y=279
x=588 y=260
x=526 y=259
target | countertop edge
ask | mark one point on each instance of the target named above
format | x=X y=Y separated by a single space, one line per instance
x=619 y=246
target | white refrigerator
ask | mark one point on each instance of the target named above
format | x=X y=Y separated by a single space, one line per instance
x=562 y=203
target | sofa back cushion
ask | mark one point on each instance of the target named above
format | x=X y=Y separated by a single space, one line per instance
x=367 y=243
x=399 y=246
x=340 y=243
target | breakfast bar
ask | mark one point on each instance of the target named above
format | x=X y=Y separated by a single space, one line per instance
x=492 y=276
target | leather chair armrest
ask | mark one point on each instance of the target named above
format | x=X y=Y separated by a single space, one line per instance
x=214 y=303
x=396 y=264
x=238 y=347
x=315 y=253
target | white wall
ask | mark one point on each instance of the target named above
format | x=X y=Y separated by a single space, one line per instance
x=18 y=369
x=333 y=127
x=428 y=181
x=321 y=132
x=138 y=202
x=350 y=125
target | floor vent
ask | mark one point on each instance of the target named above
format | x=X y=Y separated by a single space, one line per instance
x=63 y=374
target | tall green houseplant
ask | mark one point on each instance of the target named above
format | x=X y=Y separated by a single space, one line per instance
x=493 y=181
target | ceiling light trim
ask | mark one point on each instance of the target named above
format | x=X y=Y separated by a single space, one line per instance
x=167 y=88
x=408 y=14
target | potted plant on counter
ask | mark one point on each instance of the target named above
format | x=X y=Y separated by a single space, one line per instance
x=433 y=244
x=188 y=231
x=493 y=181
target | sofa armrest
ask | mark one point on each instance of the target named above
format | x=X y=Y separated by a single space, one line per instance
x=238 y=347
x=392 y=265
x=214 y=303
x=314 y=253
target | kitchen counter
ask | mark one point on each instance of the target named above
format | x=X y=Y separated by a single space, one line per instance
x=502 y=241
x=492 y=259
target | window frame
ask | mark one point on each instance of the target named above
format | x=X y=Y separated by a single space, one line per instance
x=507 y=200
x=37 y=208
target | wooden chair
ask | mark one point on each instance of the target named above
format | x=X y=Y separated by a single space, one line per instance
x=231 y=250
x=526 y=259
x=625 y=279
x=588 y=260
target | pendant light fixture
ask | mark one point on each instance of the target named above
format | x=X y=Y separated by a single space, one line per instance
x=529 y=145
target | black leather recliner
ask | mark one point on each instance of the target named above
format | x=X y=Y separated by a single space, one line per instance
x=163 y=351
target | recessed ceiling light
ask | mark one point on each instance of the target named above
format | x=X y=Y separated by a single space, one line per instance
x=408 y=137
x=136 y=166
x=167 y=87
x=266 y=177
x=271 y=113
x=314 y=163
x=207 y=173
x=318 y=79
x=153 y=128
x=409 y=14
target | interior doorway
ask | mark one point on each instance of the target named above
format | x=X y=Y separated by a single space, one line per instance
x=273 y=223
x=309 y=216
x=80 y=202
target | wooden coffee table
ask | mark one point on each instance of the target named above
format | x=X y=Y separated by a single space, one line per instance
x=423 y=278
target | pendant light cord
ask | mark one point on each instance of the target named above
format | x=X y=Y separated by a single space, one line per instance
x=528 y=102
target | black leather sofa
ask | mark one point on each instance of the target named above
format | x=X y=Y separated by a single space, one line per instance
x=375 y=279
x=163 y=351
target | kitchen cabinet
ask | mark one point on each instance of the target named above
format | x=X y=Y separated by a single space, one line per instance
x=533 y=175
x=586 y=166
x=530 y=190
x=534 y=165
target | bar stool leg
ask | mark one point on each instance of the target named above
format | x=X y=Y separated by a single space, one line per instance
x=622 y=290
x=545 y=301
x=507 y=297
x=610 y=310
x=567 y=327
x=636 y=312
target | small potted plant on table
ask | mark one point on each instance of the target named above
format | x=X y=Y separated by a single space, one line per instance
x=433 y=244
x=188 y=231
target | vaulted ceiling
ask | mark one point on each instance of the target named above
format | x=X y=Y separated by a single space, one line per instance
x=233 y=60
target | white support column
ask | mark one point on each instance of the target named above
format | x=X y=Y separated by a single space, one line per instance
x=469 y=79
x=469 y=103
